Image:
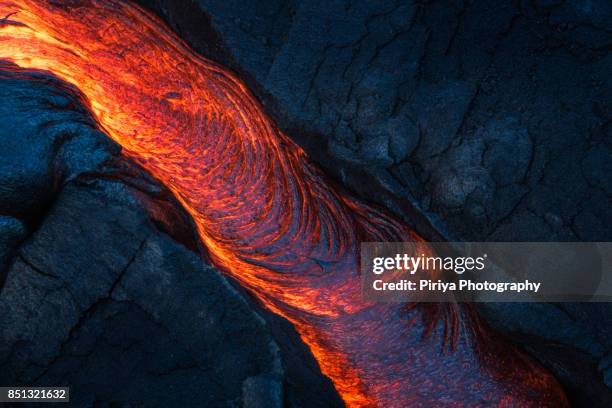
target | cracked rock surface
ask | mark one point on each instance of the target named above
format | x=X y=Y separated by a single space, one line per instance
x=474 y=120
x=97 y=296
x=491 y=117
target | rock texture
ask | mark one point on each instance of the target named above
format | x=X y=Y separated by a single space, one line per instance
x=491 y=117
x=98 y=297
x=473 y=120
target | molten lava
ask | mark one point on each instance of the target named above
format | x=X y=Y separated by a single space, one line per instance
x=267 y=216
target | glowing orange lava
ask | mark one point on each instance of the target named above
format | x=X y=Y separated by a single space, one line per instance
x=266 y=215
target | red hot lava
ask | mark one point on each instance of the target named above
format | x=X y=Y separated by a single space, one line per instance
x=267 y=216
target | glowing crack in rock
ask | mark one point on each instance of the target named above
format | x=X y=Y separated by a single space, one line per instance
x=267 y=216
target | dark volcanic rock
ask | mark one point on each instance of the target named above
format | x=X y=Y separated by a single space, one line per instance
x=397 y=89
x=473 y=120
x=98 y=297
x=100 y=300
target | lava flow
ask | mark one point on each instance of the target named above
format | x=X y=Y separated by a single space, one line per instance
x=267 y=216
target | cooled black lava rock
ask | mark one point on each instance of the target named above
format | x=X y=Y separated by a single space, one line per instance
x=416 y=93
x=97 y=296
x=474 y=120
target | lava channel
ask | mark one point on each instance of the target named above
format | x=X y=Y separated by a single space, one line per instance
x=267 y=216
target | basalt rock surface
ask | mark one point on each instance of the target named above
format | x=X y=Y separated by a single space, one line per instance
x=490 y=118
x=103 y=286
x=473 y=120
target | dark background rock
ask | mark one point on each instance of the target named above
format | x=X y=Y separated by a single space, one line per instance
x=473 y=120
x=451 y=78
x=99 y=297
